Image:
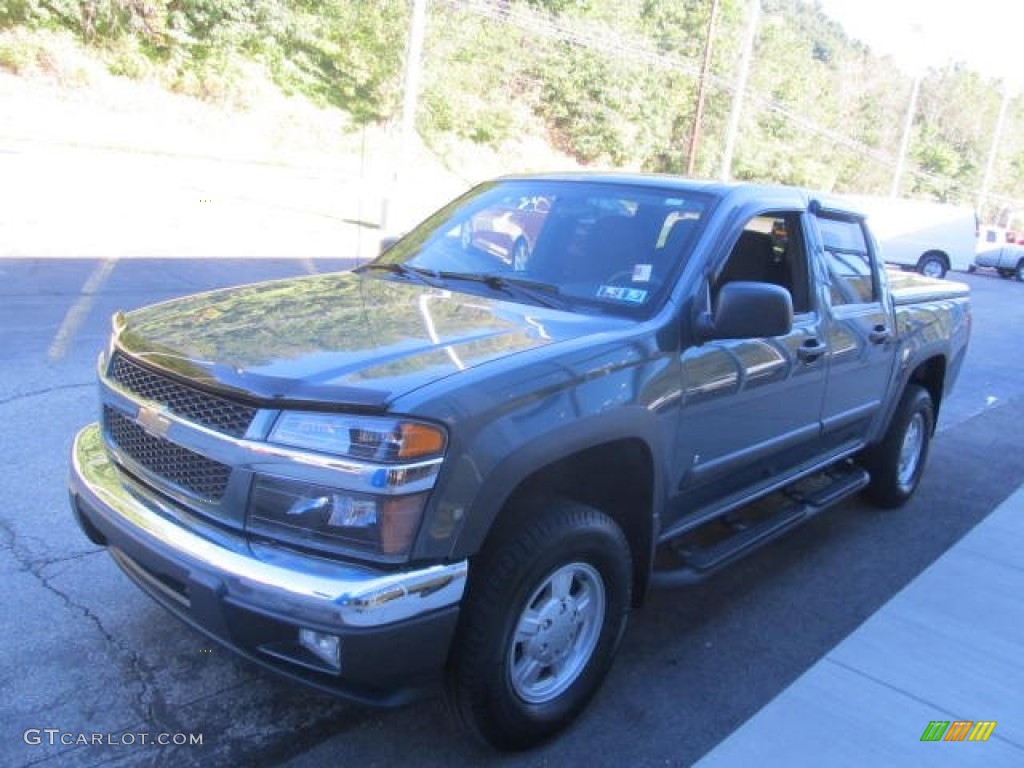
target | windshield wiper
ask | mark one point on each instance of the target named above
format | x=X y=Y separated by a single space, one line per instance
x=413 y=273
x=545 y=294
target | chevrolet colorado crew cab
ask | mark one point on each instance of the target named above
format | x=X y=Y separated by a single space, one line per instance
x=466 y=461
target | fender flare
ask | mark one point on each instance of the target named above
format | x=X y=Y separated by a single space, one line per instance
x=539 y=451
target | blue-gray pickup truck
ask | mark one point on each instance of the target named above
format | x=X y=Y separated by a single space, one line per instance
x=464 y=463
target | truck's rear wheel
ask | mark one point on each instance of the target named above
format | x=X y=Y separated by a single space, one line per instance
x=545 y=609
x=1020 y=271
x=896 y=463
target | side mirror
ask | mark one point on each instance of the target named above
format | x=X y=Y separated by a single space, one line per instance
x=747 y=310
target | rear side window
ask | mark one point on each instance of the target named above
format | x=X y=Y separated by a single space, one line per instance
x=849 y=261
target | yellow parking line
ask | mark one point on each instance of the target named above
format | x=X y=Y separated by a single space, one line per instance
x=78 y=311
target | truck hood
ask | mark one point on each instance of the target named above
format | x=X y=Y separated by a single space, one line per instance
x=342 y=338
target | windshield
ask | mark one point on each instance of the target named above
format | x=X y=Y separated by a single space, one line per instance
x=581 y=245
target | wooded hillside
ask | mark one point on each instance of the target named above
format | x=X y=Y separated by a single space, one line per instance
x=609 y=83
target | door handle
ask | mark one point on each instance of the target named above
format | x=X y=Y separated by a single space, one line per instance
x=811 y=350
x=879 y=334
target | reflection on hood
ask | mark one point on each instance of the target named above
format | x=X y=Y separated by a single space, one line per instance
x=343 y=338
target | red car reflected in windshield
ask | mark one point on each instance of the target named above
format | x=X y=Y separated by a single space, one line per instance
x=507 y=231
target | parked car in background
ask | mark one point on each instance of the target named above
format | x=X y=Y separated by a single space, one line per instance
x=507 y=230
x=1000 y=249
x=930 y=238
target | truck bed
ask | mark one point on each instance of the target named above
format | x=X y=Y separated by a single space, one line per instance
x=911 y=288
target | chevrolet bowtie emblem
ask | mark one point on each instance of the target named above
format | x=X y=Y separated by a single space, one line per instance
x=153 y=421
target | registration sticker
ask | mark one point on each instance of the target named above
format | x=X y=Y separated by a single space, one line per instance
x=642 y=273
x=622 y=293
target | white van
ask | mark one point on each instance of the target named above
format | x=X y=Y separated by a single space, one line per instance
x=931 y=238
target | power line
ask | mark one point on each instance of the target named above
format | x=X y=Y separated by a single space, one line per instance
x=602 y=39
x=612 y=42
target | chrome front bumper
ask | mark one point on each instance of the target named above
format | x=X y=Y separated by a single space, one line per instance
x=214 y=576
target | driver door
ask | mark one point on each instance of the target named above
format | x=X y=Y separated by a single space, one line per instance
x=752 y=407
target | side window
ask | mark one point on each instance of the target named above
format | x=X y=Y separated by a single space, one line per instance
x=849 y=261
x=770 y=249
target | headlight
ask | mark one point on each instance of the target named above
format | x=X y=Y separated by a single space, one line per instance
x=359 y=437
x=335 y=520
x=395 y=454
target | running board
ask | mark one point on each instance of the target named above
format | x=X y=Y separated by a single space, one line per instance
x=694 y=564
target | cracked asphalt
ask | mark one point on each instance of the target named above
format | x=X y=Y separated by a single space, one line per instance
x=82 y=653
x=85 y=652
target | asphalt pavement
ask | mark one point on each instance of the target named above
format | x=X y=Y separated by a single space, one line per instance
x=88 y=653
x=838 y=644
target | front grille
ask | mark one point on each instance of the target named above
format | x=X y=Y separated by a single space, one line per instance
x=202 y=477
x=211 y=411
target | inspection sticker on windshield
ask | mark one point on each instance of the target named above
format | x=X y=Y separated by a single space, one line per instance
x=642 y=273
x=622 y=293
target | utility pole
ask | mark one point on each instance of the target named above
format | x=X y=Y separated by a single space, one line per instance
x=996 y=138
x=740 y=88
x=698 y=118
x=410 y=99
x=908 y=125
x=413 y=66
x=917 y=42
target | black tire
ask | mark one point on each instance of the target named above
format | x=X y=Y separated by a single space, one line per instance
x=933 y=265
x=550 y=594
x=1019 y=273
x=896 y=463
x=972 y=268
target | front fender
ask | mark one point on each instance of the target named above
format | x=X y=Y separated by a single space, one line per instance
x=488 y=493
x=507 y=426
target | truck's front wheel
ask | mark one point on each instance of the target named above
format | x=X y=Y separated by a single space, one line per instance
x=546 y=607
x=896 y=463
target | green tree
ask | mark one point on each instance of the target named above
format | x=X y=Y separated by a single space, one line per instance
x=344 y=53
x=953 y=133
